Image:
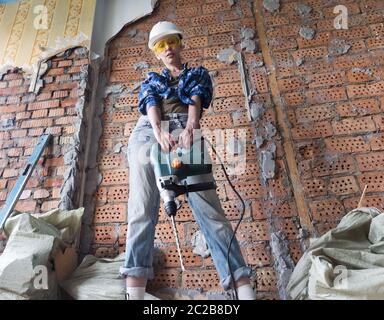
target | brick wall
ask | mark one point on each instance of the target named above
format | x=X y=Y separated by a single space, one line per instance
x=209 y=26
x=333 y=103
x=324 y=97
x=26 y=115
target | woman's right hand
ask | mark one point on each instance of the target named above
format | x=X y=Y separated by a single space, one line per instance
x=165 y=139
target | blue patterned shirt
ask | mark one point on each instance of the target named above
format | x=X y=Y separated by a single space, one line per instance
x=192 y=82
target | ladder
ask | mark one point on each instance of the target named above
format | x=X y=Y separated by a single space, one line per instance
x=18 y=188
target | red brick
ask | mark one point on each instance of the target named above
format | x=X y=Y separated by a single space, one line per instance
x=314 y=187
x=55 y=72
x=315 y=113
x=105 y=234
x=257 y=255
x=37 y=123
x=60 y=86
x=171 y=258
x=9 y=173
x=3 y=195
x=3 y=183
x=223 y=27
x=64 y=63
x=14 y=152
x=377 y=141
x=266 y=279
x=374 y=181
x=379 y=120
x=13 y=100
x=309 y=53
x=327 y=210
x=226 y=39
x=26 y=206
x=320 y=39
x=294 y=98
x=350 y=144
x=40 y=194
x=35 y=132
x=356 y=125
x=18 y=133
x=44 y=96
x=23 y=115
x=228 y=90
x=166 y=278
x=56 y=113
x=366 y=90
x=40 y=113
x=371 y=161
x=326 y=95
x=111 y=213
x=115 y=177
x=217 y=121
x=204 y=20
x=44 y=105
x=343 y=185
x=314 y=130
x=367 y=201
x=56 y=193
x=69 y=102
x=207 y=280
x=68 y=130
x=290 y=84
x=358 y=107
x=65 y=120
x=53 y=182
x=325 y=79
x=76 y=69
x=12 y=108
x=333 y=166
x=252 y=231
x=81 y=62
x=60 y=94
x=289 y=227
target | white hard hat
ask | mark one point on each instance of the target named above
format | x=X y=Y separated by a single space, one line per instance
x=161 y=29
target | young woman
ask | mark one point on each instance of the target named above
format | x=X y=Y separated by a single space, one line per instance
x=177 y=96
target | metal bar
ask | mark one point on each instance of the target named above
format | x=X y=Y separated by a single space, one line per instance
x=177 y=243
x=18 y=188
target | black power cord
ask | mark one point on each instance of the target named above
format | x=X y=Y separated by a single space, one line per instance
x=238 y=223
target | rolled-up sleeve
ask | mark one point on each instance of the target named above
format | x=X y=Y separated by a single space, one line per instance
x=199 y=83
x=148 y=96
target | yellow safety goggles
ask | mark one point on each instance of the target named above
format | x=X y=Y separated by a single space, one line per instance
x=171 y=42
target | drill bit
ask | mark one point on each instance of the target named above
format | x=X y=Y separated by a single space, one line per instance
x=177 y=243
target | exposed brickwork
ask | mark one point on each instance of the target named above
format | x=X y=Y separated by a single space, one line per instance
x=336 y=128
x=25 y=116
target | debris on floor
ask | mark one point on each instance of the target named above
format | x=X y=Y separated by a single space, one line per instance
x=347 y=262
x=38 y=254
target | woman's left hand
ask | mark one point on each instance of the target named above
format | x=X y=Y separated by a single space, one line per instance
x=186 y=138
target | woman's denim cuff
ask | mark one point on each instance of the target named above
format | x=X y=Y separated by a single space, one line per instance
x=138 y=272
x=238 y=274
